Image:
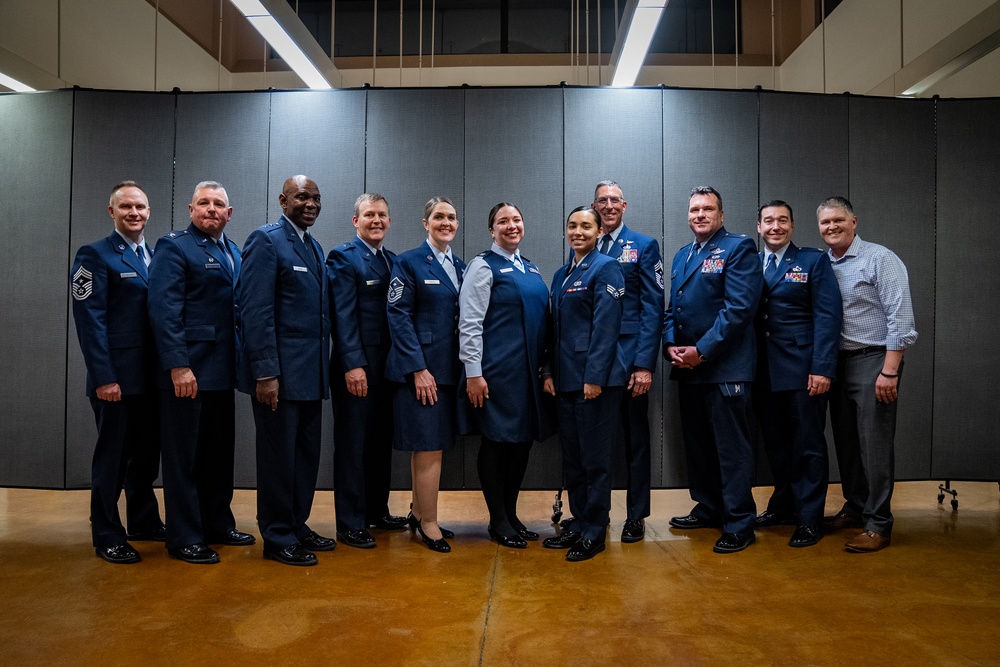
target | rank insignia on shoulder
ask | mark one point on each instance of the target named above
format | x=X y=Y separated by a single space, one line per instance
x=658 y=271
x=395 y=289
x=616 y=293
x=83 y=284
x=172 y=235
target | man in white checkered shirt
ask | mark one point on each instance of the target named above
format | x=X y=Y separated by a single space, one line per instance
x=878 y=327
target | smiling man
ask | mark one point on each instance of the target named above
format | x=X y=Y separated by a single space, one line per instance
x=192 y=304
x=798 y=332
x=359 y=272
x=109 y=287
x=878 y=327
x=286 y=329
x=639 y=259
x=715 y=286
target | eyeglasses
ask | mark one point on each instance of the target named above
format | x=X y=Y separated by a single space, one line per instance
x=603 y=201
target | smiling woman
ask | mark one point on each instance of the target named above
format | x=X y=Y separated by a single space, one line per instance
x=423 y=361
x=502 y=329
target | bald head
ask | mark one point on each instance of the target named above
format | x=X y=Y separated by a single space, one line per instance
x=300 y=201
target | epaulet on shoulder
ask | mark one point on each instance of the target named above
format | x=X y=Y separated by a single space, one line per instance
x=177 y=233
x=811 y=250
x=347 y=246
x=483 y=253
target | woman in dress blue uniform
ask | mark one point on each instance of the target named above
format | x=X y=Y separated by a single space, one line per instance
x=587 y=377
x=423 y=361
x=502 y=327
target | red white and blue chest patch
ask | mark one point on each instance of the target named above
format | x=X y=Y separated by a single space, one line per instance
x=713 y=265
x=797 y=275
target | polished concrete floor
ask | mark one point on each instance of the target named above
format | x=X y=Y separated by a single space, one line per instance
x=932 y=598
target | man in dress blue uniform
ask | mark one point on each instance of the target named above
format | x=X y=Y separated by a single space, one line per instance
x=639 y=259
x=878 y=327
x=285 y=312
x=362 y=400
x=109 y=287
x=192 y=282
x=715 y=286
x=798 y=334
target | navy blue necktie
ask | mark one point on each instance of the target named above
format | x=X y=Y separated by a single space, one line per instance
x=772 y=267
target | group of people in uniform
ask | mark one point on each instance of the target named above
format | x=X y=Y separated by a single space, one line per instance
x=419 y=347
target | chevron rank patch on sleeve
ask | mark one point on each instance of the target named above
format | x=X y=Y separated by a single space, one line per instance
x=395 y=289
x=616 y=293
x=83 y=284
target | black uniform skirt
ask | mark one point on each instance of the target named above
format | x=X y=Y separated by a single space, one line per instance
x=423 y=428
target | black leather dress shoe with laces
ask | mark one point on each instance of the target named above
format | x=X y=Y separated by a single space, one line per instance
x=585 y=549
x=234 y=538
x=316 y=542
x=198 y=554
x=359 y=539
x=689 y=522
x=805 y=536
x=294 y=554
x=562 y=541
x=730 y=543
x=388 y=522
x=120 y=554
x=633 y=530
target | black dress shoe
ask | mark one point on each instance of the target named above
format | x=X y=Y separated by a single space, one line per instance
x=155 y=535
x=509 y=541
x=359 y=539
x=414 y=524
x=199 y=554
x=563 y=541
x=120 y=554
x=388 y=522
x=526 y=534
x=633 y=530
x=805 y=536
x=234 y=538
x=434 y=545
x=730 y=543
x=293 y=554
x=689 y=522
x=585 y=549
x=769 y=518
x=316 y=542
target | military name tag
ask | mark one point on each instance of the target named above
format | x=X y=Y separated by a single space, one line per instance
x=213 y=266
x=128 y=274
x=507 y=270
x=300 y=268
x=432 y=282
x=713 y=265
x=373 y=282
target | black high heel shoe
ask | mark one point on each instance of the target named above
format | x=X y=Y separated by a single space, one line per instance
x=434 y=545
x=515 y=542
x=414 y=523
x=523 y=532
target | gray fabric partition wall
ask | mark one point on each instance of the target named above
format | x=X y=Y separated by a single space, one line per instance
x=966 y=359
x=36 y=145
x=892 y=181
x=900 y=161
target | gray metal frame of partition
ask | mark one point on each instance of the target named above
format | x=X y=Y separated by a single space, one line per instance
x=921 y=174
